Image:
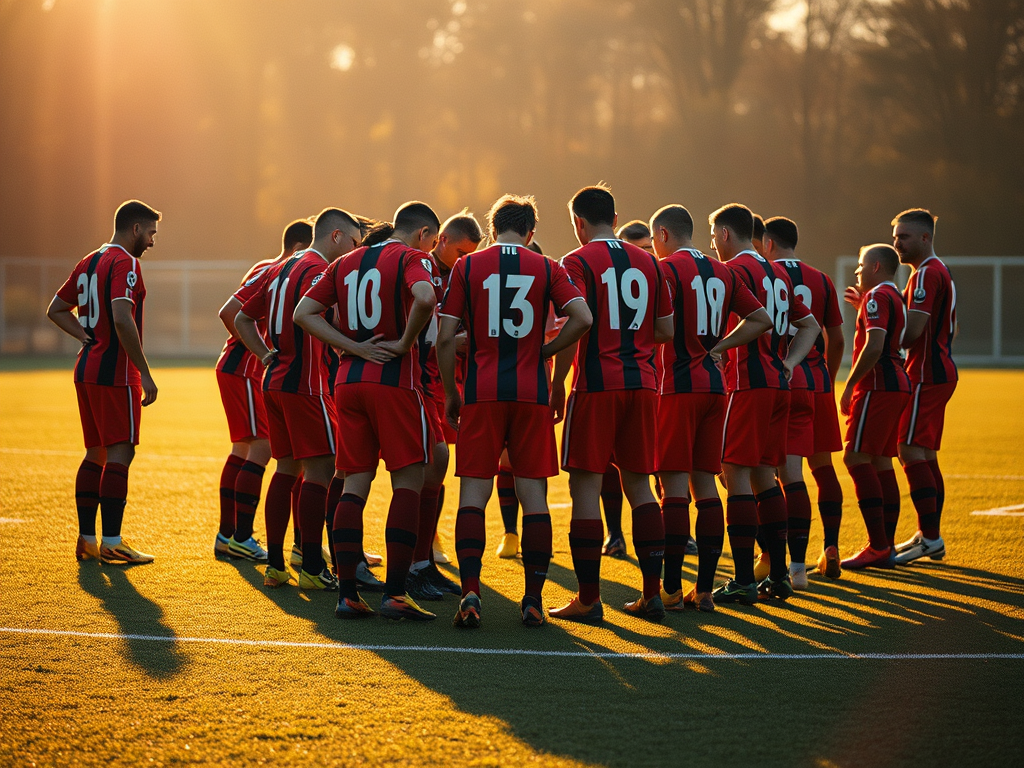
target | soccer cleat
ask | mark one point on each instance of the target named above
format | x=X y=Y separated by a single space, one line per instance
x=673 y=602
x=913 y=541
x=123 y=554
x=372 y=558
x=798 y=575
x=324 y=580
x=691 y=547
x=352 y=609
x=731 y=592
x=869 y=558
x=509 y=546
x=781 y=589
x=828 y=563
x=574 y=610
x=702 y=601
x=418 y=586
x=403 y=607
x=922 y=547
x=762 y=567
x=533 y=612
x=87 y=550
x=275 y=578
x=614 y=547
x=221 y=545
x=440 y=582
x=249 y=549
x=651 y=609
x=366 y=581
x=438 y=547
x=468 y=615
x=296 y=558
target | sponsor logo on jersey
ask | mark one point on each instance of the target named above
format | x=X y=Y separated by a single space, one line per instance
x=132 y=279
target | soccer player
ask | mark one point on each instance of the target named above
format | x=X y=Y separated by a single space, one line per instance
x=813 y=431
x=931 y=327
x=757 y=377
x=112 y=376
x=238 y=378
x=691 y=410
x=612 y=414
x=501 y=295
x=758 y=238
x=387 y=298
x=299 y=409
x=876 y=394
x=636 y=233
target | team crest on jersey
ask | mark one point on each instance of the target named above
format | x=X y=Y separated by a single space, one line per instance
x=919 y=294
x=872 y=308
x=252 y=280
x=427 y=265
x=316 y=279
x=132 y=279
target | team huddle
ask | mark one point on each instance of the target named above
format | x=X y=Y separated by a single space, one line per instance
x=366 y=341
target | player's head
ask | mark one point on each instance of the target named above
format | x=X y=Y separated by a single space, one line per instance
x=876 y=264
x=732 y=227
x=592 y=209
x=417 y=225
x=636 y=233
x=297 y=236
x=335 y=233
x=671 y=229
x=459 y=235
x=135 y=226
x=780 y=237
x=913 y=235
x=757 y=239
x=514 y=215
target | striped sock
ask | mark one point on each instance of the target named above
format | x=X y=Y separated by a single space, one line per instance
x=400 y=537
x=347 y=538
x=113 y=495
x=830 y=502
x=798 y=504
x=87 y=496
x=248 y=486
x=334 y=492
x=675 y=513
x=470 y=540
x=611 y=500
x=312 y=514
x=427 y=523
x=508 y=502
x=296 y=521
x=773 y=519
x=869 y=498
x=536 y=551
x=890 y=503
x=924 y=494
x=585 y=539
x=228 y=480
x=741 y=519
x=710 y=530
x=940 y=487
x=275 y=517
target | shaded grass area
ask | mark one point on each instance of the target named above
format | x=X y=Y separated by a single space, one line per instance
x=72 y=700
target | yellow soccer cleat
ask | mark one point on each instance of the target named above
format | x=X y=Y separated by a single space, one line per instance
x=762 y=567
x=86 y=550
x=324 y=580
x=439 y=555
x=509 y=546
x=275 y=578
x=674 y=601
x=123 y=554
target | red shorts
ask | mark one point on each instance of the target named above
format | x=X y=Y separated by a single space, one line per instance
x=800 y=428
x=526 y=429
x=443 y=430
x=244 y=407
x=301 y=426
x=827 y=437
x=873 y=424
x=378 y=421
x=756 y=423
x=690 y=432
x=921 y=424
x=619 y=427
x=110 y=415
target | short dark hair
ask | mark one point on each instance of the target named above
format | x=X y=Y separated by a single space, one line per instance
x=299 y=232
x=465 y=225
x=783 y=231
x=633 y=230
x=415 y=215
x=594 y=204
x=676 y=219
x=513 y=213
x=736 y=217
x=132 y=212
x=535 y=247
x=884 y=254
x=329 y=220
x=921 y=216
x=758 y=233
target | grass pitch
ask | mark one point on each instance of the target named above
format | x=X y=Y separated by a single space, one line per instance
x=191 y=660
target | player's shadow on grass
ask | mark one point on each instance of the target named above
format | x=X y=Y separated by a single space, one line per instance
x=137 y=617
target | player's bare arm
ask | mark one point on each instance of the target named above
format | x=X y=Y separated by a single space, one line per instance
x=128 y=335
x=872 y=351
x=227 y=315
x=917 y=321
x=423 y=302
x=579 y=318
x=835 y=345
x=746 y=331
x=563 y=362
x=61 y=315
x=807 y=330
x=309 y=316
x=445 y=349
x=250 y=335
x=664 y=329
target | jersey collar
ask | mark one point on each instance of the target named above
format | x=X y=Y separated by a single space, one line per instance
x=107 y=246
x=753 y=253
x=691 y=251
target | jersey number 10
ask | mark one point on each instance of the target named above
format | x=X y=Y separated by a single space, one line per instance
x=358 y=288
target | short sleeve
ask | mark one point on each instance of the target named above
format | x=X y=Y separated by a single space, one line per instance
x=323 y=287
x=68 y=293
x=417 y=269
x=670 y=277
x=249 y=285
x=743 y=301
x=875 y=311
x=454 y=302
x=562 y=289
x=125 y=279
x=573 y=267
x=925 y=285
x=833 y=315
x=665 y=308
x=256 y=305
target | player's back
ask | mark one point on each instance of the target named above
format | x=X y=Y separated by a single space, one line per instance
x=931 y=290
x=883 y=307
x=104 y=276
x=704 y=293
x=626 y=292
x=817 y=292
x=235 y=358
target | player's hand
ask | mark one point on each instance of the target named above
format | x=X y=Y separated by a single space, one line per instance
x=148 y=389
x=852 y=296
x=558 y=401
x=376 y=351
x=394 y=348
x=717 y=359
x=460 y=340
x=268 y=358
x=787 y=370
x=453 y=410
x=846 y=401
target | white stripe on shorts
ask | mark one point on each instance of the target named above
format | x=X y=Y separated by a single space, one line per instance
x=252 y=407
x=861 y=423
x=567 y=428
x=131 y=416
x=328 y=425
x=913 y=414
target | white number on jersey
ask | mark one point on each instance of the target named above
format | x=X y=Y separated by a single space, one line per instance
x=521 y=284
x=777 y=301
x=278 y=290
x=710 y=295
x=632 y=280
x=804 y=294
x=88 y=301
x=358 y=288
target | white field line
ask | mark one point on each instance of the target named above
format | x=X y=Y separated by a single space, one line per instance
x=517 y=651
x=80 y=454
x=984 y=477
x=4 y=520
x=1001 y=511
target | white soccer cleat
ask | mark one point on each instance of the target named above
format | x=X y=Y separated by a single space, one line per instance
x=931 y=548
x=798 y=575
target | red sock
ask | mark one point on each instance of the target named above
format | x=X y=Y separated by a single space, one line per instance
x=710 y=535
x=830 y=502
x=773 y=521
x=275 y=516
x=334 y=491
x=400 y=537
x=940 y=486
x=312 y=514
x=508 y=502
x=536 y=551
x=675 y=513
x=427 y=522
x=890 y=503
x=437 y=519
x=798 y=505
x=611 y=500
x=296 y=521
x=87 y=496
x=113 y=494
x=585 y=539
x=741 y=524
x=924 y=493
x=470 y=540
x=347 y=538
x=248 y=485
x=228 y=478
x=869 y=498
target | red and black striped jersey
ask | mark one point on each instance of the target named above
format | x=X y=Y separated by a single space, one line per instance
x=502 y=295
x=931 y=290
x=104 y=276
x=758 y=365
x=882 y=307
x=626 y=291
x=372 y=287
x=817 y=292
x=300 y=365
x=235 y=358
x=705 y=293
x=430 y=377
